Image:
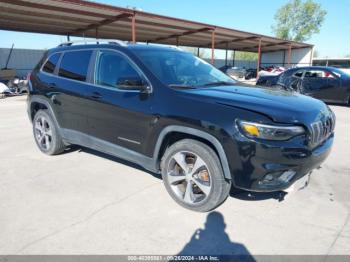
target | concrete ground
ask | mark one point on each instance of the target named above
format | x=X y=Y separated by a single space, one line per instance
x=83 y=202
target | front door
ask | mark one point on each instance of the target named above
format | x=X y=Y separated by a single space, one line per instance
x=121 y=117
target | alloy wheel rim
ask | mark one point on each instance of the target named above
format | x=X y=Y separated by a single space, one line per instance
x=43 y=133
x=189 y=177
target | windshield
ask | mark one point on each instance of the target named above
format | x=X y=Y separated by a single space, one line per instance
x=178 y=68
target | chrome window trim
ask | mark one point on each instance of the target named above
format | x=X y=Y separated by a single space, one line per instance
x=92 y=83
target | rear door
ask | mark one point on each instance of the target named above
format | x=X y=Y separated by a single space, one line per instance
x=321 y=84
x=71 y=86
x=335 y=92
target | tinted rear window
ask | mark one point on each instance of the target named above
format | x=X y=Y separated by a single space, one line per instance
x=51 y=63
x=74 y=65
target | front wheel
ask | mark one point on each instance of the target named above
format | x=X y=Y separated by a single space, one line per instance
x=193 y=176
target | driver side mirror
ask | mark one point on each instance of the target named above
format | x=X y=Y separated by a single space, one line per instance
x=133 y=83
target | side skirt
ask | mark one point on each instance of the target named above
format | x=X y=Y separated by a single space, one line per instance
x=78 y=138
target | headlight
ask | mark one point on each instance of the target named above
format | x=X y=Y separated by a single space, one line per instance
x=269 y=132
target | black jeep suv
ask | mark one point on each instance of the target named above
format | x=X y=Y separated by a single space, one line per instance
x=172 y=113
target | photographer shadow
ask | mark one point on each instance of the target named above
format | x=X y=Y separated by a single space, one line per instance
x=214 y=241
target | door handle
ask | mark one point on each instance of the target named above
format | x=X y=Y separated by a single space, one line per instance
x=96 y=95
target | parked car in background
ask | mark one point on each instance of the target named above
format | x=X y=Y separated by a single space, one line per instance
x=329 y=84
x=271 y=71
x=236 y=72
x=176 y=115
x=239 y=72
x=16 y=85
x=4 y=90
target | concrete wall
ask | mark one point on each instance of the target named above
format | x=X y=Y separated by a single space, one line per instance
x=300 y=57
x=23 y=60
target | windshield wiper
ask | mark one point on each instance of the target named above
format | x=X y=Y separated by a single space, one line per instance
x=219 y=83
x=182 y=86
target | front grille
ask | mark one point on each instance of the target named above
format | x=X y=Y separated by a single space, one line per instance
x=321 y=130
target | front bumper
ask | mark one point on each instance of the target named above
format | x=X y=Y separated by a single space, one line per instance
x=275 y=166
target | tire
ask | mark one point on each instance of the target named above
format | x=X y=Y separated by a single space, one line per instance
x=46 y=133
x=205 y=179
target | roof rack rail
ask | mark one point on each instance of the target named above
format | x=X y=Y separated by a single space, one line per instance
x=97 y=41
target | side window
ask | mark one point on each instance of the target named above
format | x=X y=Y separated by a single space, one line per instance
x=51 y=63
x=113 y=70
x=75 y=64
x=298 y=74
x=315 y=74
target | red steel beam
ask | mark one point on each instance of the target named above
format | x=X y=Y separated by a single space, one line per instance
x=259 y=58
x=212 y=46
x=133 y=28
x=189 y=32
x=268 y=45
x=13 y=11
x=54 y=8
x=101 y=23
x=233 y=40
x=289 y=55
x=311 y=56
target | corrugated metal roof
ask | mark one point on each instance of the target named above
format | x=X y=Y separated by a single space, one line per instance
x=89 y=19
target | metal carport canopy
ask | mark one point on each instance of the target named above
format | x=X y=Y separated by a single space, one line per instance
x=89 y=19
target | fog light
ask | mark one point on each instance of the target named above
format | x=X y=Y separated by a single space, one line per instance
x=286 y=176
x=277 y=178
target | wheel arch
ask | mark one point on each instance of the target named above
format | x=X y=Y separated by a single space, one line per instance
x=182 y=132
x=37 y=104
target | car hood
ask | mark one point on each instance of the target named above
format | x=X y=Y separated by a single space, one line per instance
x=281 y=106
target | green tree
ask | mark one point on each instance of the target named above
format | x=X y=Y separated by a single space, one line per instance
x=298 y=20
x=239 y=55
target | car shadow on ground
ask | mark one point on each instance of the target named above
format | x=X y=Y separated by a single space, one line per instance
x=235 y=193
x=338 y=104
x=256 y=196
x=213 y=240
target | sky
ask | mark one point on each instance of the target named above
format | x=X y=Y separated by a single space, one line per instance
x=252 y=16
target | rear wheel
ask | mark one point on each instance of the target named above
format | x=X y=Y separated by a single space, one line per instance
x=46 y=134
x=193 y=176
